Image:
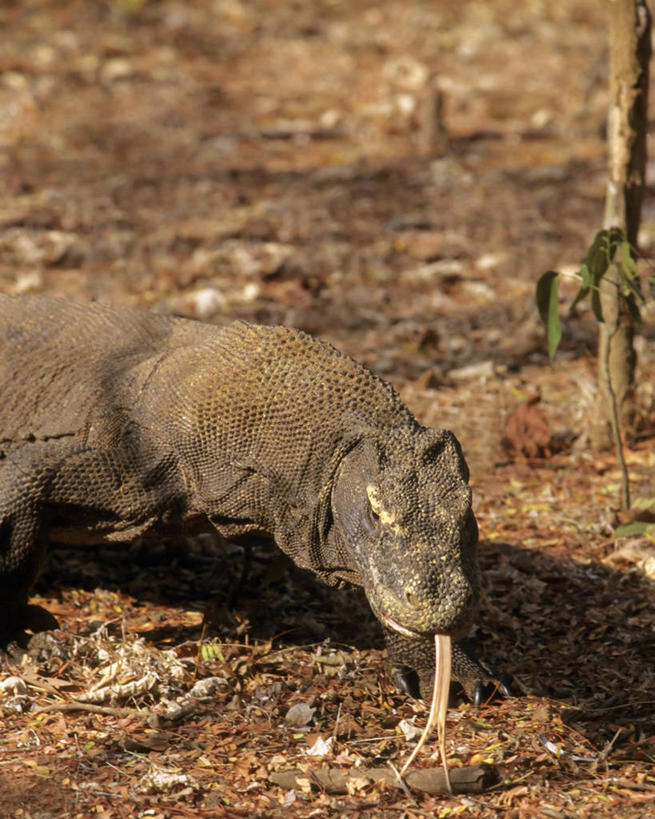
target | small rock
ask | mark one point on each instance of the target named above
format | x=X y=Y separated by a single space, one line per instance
x=481 y=369
x=300 y=715
x=116 y=69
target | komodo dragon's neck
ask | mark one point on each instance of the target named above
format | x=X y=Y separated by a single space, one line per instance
x=265 y=414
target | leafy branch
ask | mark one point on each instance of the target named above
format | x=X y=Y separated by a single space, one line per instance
x=610 y=253
x=610 y=250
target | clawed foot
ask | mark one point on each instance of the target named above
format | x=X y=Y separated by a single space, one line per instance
x=480 y=687
x=490 y=687
x=16 y=620
x=411 y=667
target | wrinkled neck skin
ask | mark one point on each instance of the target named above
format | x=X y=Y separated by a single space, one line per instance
x=304 y=527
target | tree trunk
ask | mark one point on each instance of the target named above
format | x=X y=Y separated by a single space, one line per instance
x=630 y=49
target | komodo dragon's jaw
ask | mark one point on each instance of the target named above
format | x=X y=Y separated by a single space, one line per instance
x=427 y=617
x=403 y=508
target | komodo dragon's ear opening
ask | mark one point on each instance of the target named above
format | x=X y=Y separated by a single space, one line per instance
x=351 y=508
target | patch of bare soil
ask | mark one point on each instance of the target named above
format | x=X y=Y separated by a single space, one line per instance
x=289 y=162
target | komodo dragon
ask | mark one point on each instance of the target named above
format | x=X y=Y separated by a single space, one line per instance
x=115 y=423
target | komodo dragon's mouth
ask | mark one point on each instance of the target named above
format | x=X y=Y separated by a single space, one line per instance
x=392 y=624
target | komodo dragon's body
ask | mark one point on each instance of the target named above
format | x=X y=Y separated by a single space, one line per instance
x=117 y=422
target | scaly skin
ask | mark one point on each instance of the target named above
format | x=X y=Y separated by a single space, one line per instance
x=119 y=423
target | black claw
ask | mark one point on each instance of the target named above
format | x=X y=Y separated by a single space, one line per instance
x=411 y=667
x=498 y=684
x=505 y=685
x=405 y=681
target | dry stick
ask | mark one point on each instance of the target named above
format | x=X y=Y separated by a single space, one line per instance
x=336 y=723
x=90 y=708
x=614 y=421
x=439 y=704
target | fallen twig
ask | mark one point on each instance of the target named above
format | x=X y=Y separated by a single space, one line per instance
x=469 y=779
x=89 y=707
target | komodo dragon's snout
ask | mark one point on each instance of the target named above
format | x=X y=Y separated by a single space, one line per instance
x=403 y=508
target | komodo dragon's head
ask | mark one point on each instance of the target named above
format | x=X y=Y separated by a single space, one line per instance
x=402 y=509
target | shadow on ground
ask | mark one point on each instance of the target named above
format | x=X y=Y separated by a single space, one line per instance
x=567 y=630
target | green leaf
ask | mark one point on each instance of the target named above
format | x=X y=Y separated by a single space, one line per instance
x=546 y=286
x=598 y=256
x=632 y=289
x=615 y=236
x=586 y=277
x=595 y=304
x=628 y=262
x=597 y=262
x=548 y=305
x=634 y=527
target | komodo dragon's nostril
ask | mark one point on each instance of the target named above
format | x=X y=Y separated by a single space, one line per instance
x=411 y=598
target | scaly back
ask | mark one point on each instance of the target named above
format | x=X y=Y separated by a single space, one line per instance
x=60 y=362
x=275 y=400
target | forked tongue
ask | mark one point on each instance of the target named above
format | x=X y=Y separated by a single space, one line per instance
x=439 y=704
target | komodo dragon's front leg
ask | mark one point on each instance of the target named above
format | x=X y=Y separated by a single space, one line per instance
x=24 y=476
x=411 y=666
x=39 y=480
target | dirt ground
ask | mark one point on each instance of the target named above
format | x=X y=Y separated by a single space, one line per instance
x=394 y=178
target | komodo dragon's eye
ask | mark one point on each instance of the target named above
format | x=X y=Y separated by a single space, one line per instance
x=378 y=511
x=370 y=514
